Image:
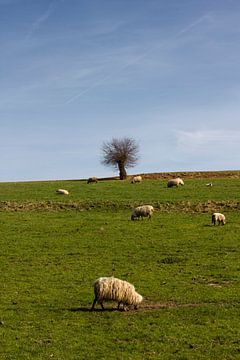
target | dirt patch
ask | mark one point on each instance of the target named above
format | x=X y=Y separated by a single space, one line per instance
x=186 y=206
x=151 y=306
x=148 y=306
x=168 y=305
x=233 y=174
x=202 y=207
x=40 y=205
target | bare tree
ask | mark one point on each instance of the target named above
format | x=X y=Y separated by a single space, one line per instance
x=120 y=154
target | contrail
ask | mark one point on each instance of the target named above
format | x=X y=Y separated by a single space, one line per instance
x=192 y=25
x=136 y=60
x=37 y=24
x=96 y=84
x=109 y=76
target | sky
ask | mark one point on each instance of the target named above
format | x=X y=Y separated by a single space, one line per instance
x=77 y=73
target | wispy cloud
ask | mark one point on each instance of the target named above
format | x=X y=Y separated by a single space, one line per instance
x=163 y=44
x=189 y=27
x=41 y=20
x=205 y=140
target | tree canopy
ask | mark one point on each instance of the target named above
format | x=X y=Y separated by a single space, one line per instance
x=120 y=154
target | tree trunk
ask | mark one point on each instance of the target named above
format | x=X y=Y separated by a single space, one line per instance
x=122 y=171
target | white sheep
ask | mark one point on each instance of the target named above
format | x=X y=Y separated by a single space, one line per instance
x=175 y=182
x=92 y=180
x=113 y=289
x=209 y=184
x=62 y=192
x=136 y=179
x=142 y=211
x=218 y=217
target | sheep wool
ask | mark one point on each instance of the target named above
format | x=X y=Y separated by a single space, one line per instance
x=62 y=192
x=218 y=217
x=92 y=180
x=175 y=182
x=209 y=184
x=142 y=211
x=136 y=179
x=113 y=289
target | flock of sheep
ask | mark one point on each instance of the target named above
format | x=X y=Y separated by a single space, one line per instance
x=147 y=210
x=114 y=289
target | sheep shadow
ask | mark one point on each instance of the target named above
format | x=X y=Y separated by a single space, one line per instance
x=212 y=225
x=147 y=306
x=85 y=309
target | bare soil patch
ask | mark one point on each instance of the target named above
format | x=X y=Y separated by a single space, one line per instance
x=154 y=306
x=233 y=174
x=149 y=305
x=186 y=206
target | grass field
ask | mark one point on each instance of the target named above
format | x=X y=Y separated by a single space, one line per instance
x=187 y=270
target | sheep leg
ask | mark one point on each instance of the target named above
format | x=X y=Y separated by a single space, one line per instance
x=102 y=305
x=94 y=303
x=119 y=306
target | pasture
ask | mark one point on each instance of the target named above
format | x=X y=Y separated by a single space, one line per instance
x=53 y=247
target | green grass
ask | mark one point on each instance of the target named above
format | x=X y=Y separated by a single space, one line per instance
x=122 y=192
x=187 y=270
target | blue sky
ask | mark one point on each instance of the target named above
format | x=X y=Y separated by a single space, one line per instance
x=76 y=73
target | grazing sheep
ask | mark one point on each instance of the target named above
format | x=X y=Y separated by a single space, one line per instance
x=142 y=211
x=62 y=192
x=209 y=184
x=111 y=288
x=136 y=179
x=92 y=180
x=218 y=217
x=175 y=182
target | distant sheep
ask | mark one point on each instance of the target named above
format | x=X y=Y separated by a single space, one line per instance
x=113 y=289
x=136 y=179
x=218 y=217
x=142 y=211
x=62 y=192
x=209 y=184
x=92 y=180
x=175 y=182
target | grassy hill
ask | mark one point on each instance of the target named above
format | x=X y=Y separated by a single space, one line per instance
x=53 y=247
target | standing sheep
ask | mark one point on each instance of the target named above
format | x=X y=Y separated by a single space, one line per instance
x=113 y=289
x=142 y=211
x=175 y=182
x=136 y=179
x=218 y=217
x=92 y=180
x=62 y=192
